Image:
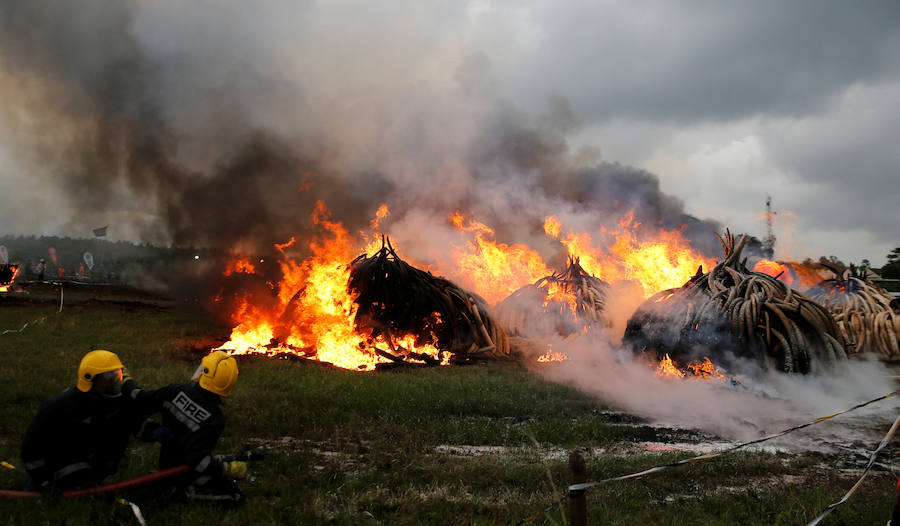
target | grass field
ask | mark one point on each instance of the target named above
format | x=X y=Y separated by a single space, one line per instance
x=461 y=445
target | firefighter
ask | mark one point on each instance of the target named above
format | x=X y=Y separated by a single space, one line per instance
x=79 y=436
x=192 y=414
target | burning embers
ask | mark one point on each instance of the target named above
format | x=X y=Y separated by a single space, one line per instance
x=552 y=356
x=731 y=312
x=700 y=370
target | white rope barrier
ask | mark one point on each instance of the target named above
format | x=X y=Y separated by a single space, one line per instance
x=714 y=454
x=38 y=320
x=846 y=497
x=575 y=488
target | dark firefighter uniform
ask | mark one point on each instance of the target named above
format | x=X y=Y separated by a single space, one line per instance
x=79 y=436
x=193 y=414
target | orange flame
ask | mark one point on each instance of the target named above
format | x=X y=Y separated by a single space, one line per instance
x=557 y=293
x=552 y=356
x=667 y=368
x=552 y=227
x=658 y=262
x=809 y=276
x=293 y=240
x=702 y=370
x=774 y=268
x=706 y=369
x=494 y=270
x=15 y=270
x=314 y=314
x=380 y=214
x=798 y=275
x=239 y=266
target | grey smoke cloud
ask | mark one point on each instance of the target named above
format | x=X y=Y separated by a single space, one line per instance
x=159 y=116
x=229 y=123
x=689 y=61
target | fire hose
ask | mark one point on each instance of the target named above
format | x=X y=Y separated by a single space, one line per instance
x=245 y=453
x=106 y=488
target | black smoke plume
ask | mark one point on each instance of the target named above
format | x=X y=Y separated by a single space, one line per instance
x=217 y=168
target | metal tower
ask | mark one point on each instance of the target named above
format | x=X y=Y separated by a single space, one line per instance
x=769 y=243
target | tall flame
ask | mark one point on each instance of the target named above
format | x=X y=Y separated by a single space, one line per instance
x=494 y=270
x=658 y=262
x=314 y=313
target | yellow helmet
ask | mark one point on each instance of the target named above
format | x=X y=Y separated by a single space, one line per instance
x=218 y=372
x=94 y=363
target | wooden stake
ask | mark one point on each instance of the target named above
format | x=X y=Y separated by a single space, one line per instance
x=577 y=501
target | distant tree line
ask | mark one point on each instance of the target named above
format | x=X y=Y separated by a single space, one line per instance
x=115 y=261
x=892 y=269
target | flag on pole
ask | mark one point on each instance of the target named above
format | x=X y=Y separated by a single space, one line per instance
x=100 y=232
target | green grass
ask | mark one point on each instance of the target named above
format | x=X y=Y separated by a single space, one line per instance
x=363 y=448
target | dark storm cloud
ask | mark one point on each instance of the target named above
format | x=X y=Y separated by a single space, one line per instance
x=849 y=158
x=815 y=84
x=690 y=61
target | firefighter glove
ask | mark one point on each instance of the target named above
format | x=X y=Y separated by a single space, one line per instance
x=235 y=469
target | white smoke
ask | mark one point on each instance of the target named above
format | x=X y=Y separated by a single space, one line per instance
x=762 y=402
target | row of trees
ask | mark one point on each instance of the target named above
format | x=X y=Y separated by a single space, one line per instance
x=113 y=260
x=892 y=269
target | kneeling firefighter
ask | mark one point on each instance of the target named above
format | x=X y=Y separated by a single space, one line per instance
x=79 y=436
x=193 y=416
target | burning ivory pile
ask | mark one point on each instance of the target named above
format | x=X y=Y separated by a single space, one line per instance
x=562 y=303
x=734 y=312
x=866 y=314
x=395 y=299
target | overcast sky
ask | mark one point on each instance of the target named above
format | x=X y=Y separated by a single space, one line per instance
x=725 y=102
